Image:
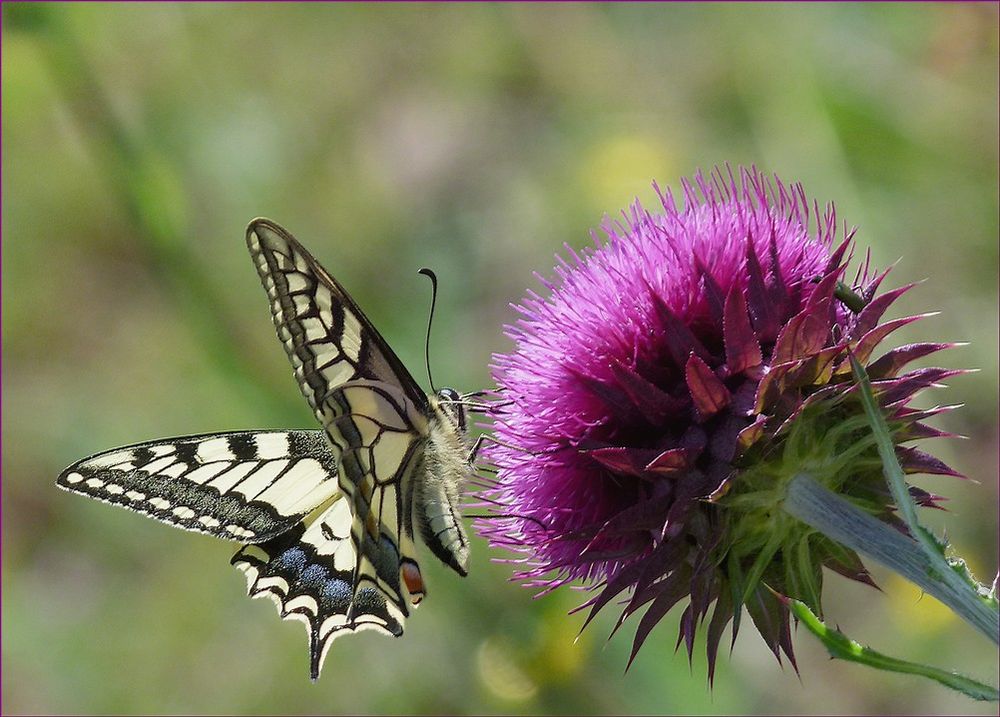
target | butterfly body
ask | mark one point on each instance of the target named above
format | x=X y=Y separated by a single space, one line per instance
x=327 y=516
x=443 y=463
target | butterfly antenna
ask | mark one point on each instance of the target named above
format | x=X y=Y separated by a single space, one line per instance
x=430 y=319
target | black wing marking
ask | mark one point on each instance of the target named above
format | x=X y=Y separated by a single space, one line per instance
x=310 y=574
x=328 y=338
x=243 y=485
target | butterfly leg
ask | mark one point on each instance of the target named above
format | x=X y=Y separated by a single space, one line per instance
x=481 y=440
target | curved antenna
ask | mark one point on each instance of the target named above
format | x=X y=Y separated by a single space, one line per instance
x=430 y=319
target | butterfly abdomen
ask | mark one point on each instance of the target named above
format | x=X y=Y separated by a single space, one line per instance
x=436 y=494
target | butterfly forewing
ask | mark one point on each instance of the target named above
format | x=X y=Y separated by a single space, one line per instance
x=328 y=338
x=374 y=414
x=242 y=485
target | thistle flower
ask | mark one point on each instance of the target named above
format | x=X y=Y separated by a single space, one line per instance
x=672 y=381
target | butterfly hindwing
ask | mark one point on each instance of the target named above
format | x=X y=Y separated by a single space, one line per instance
x=339 y=570
x=241 y=485
x=310 y=574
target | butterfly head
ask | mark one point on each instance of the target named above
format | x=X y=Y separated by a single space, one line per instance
x=451 y=403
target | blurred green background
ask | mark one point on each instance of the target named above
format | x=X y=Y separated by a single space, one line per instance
x=140 y=139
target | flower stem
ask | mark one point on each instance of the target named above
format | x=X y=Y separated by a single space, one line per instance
x=847 y=524
x=840 y=646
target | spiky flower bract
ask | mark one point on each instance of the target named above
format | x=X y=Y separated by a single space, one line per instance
x=669 y=384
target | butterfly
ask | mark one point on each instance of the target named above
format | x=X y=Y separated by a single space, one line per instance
x=327 y=517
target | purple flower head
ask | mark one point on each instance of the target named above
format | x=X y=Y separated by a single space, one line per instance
x=669 y=382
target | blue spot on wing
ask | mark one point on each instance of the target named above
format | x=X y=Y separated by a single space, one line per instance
x=312 y=579
x=292 y=560
x=336 y=596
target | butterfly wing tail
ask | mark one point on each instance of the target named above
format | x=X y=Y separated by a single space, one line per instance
x=310 y=574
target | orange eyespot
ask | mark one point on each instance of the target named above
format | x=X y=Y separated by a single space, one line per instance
x=414 y=582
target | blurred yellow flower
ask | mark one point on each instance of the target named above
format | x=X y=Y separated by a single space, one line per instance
x=499 y=671
x=912 y=609
x=616 y=166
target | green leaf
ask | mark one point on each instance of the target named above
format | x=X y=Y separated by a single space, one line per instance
x=842 y=647
x=842 y=521
x=950 y=572
x=737 y=587
x=887 y=451
x=760 y=564
x=810 y=574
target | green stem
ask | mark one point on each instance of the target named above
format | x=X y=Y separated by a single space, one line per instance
x=840 y=646
x=847 y=524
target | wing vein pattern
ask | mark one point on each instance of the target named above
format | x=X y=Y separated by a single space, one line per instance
x=340 y=571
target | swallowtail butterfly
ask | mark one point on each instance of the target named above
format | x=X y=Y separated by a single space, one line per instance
x=327 y=516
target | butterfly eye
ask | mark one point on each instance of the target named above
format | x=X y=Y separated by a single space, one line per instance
x=452 y=402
